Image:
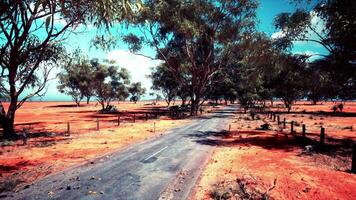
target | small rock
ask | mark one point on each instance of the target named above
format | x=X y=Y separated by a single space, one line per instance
x=306 y=190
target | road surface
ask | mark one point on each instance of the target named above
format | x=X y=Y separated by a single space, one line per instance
x=166 y=167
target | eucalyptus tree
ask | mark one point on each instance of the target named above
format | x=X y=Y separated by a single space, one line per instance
x=136 y=91
x=289 y=82
x=202 y=32
x=109 y=83
x=253 y=69
x=76 y=78
x=31 y=33
x=331 y=24
x=166 y=82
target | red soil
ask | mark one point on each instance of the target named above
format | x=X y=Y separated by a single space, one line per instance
x=48 y=150
x=264 y=156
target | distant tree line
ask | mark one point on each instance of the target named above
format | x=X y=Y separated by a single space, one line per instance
x=83 y=78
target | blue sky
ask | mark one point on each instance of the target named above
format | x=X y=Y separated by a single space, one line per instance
x=140 y=66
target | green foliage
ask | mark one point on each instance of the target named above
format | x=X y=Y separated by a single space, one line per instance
x=109 y=83
x=136 y=91
x=165 y=81
x=289 y=82
x=195 y=36
x=30 y=38
x=328 y=23
x=76 y=78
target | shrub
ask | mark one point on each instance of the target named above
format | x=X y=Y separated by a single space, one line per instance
x=340 y=107
x=7 y=143
x=109 y=109
x=243 y=189
x=265 y=126
x=9 y=185
x=258 y=117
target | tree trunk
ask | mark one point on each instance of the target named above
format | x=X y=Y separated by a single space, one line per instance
x=102 y=103
x=314 y=102
x=183 y=101
x=7 y=125
x=195 y=106
x=77 y=102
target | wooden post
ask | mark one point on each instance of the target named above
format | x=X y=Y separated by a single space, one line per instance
x=97 y=124
x=292 y=127
x=134 y=118
x=284 y=122
x=154 y=127
x=303 y=130
x=24 y=136
x=229 y=128
x=274 y=117
x=156 y=114
x=68 y=128
x=353 y=165
x=118 y=120
x=322 y=138
x=270 y=115
x=278 y=120
x=146 y=116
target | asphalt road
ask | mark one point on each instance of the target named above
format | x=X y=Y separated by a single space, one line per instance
x=166 y=167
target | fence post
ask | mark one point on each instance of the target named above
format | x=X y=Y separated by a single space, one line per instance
x=156 y=114
x=303 y=130
x=274 y=117
x=270 y=115
x=229 y=128
x=97 y=124
x=24 y=136
x=68 y=128
x=134 y=118
x=292 y=127
x=353 y=165
x=118 y=120
x=278 y=120
x=146 y=116
x=284 y=122
x=322 y=137
x=154 y=127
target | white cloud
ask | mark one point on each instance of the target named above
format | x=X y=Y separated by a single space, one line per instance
x=313 y=55
x=278 y=34
x=138 y=66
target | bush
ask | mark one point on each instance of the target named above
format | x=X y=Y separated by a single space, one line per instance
x=7 y=143
x=243 y=189
x=258 y=117
x=338 y=107
x=265 y=126
x=9 y=185
x=109 y=109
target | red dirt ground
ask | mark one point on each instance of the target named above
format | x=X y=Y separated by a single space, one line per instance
x=48 y=150
x=261 y=157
